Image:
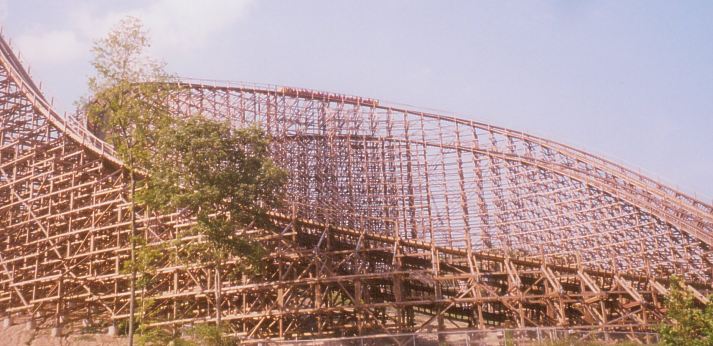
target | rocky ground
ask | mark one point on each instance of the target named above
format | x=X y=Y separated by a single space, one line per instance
x=18 y=334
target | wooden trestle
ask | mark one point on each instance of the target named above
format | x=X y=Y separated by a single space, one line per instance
x=397 y=221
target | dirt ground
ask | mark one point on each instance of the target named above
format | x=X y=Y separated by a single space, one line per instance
x=19 y=335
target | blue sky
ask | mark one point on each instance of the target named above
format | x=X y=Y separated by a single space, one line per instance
x=628 y=80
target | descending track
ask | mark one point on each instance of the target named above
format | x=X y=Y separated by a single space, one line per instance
x=465 y=184
x=396 y=221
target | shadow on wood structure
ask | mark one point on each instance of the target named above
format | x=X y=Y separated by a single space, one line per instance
x=398 y=221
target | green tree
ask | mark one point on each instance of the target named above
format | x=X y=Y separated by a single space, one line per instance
x=221 y=176
x=225 y=179
x=148 y=258
x=121 y=110
x=210 y=335
x=687 y=324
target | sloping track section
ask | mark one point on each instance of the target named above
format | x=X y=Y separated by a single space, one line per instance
x=397 y=221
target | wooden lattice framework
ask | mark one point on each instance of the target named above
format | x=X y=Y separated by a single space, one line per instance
x=397 y=221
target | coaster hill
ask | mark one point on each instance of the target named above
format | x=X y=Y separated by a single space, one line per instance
x=397 y=221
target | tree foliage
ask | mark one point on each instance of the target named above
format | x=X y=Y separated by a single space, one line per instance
x=687 y=324
x=198 y=335
x=209 y=171
x=122 y=109
x=210 y=335
x=148 y=258
x=224 y=177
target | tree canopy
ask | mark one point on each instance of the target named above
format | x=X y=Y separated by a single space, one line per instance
x=122 y=108
x=687 y=323
x=121 y=111
x=220 y=176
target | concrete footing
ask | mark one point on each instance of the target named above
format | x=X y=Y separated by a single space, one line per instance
x=30 y=325
x=6 y=322
x=111 y=331
x=56 y=332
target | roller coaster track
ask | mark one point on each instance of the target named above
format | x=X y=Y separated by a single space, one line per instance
x=397 y=221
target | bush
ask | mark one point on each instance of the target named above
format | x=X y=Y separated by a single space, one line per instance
x=686 y=323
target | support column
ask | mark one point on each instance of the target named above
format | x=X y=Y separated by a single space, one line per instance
x=438 y=294
x=30 y=324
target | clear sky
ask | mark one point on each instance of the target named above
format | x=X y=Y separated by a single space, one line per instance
x=628 y=80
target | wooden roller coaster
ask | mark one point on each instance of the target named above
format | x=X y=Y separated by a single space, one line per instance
x=397 y=221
